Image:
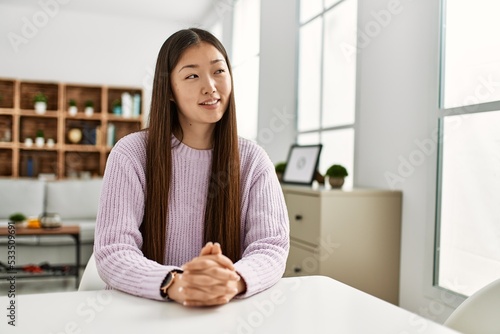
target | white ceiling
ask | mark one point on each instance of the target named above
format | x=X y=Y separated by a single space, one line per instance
x=184 y=12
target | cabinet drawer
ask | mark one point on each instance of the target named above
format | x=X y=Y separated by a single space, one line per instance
x=304 y=214
x=301 y=261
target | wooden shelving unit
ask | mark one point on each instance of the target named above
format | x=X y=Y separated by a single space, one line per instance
x=19 y=121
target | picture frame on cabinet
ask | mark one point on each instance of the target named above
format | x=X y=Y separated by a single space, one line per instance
x=301 y=164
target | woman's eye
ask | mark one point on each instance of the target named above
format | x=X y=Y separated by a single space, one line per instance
x=192 y=76
x=220 y=71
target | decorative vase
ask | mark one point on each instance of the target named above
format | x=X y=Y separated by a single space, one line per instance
x=39 y=141
x=20 y=223
x=336 y=182
x=89 y=111
x=50 y=220
x=75 y=135
x=50 y=143
x=73 y=110
x=40 y=108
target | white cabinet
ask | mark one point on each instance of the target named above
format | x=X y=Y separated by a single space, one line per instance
x=352 y=236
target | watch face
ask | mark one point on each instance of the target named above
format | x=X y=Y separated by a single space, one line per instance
x=166 y=284
x=168 y=279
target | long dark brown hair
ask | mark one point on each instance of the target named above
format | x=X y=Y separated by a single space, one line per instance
x=222 y=212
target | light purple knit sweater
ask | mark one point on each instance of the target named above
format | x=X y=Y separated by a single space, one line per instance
x=118 y=241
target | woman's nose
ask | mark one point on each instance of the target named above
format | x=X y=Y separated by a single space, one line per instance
x=209 y=86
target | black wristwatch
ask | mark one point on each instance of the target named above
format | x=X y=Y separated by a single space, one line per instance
x=167 y=282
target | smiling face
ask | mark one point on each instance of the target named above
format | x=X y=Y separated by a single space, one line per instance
x=201 y=85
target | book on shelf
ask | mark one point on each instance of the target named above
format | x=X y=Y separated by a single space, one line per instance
x=88 y=135
x=127 y=105
x=110 y=140
x=30 y=167
x=98 y=136
x=137 y=106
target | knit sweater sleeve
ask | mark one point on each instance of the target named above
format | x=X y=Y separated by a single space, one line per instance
x=118 y=241
x=266 y=227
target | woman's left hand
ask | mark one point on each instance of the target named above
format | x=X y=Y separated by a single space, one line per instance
x=210 y=279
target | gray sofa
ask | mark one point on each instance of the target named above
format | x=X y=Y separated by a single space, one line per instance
x=76 y=201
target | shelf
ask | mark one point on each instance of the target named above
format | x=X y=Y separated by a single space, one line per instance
x=76 y=163
x=87 y=149
x=30 y=89
x=7 y=89
x=6 y=128
x=134 y=102
x=33 y=147
x=81 y=94
x=33 y=162
x=42 y=270
x=123 y=129
x=45 y=269
x=81 y=148
x=31 y=126
x=115 y=118
x=5 y=165
x=81 y=116
x=32 y=113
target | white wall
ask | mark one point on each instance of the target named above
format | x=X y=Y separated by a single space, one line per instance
x=278 y=59
x=80 y=47
x=397 y=104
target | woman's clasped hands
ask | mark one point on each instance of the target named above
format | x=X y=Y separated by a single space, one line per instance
x=209 y=279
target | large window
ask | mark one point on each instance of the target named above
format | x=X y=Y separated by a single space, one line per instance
x=471 y=67
x=245 y=62
x=327 y=80
x=468 y=227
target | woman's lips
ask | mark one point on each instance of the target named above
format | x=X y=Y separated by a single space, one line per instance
x=210 y=104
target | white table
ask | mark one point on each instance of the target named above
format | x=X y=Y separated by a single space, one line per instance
x=312 y=304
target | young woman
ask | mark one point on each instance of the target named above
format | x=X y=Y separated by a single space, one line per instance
x=189 y=211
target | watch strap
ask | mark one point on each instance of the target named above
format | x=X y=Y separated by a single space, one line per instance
x=167 y=282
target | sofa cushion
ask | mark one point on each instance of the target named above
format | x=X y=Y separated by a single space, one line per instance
x=74 y=199
x=87 y=228
x=17 y=195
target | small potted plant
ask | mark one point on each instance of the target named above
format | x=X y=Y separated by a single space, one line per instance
x=117 y=107
x=336 y=175
x=17 y=218
x=40 y=139
x=40 y=100
x=72 y=110
x=89 y=108
x=280 y=169
x=51 y=142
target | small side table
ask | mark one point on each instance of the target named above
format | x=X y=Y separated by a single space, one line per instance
x=71 y=230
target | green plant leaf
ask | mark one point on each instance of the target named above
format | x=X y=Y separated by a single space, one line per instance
x=337 y=171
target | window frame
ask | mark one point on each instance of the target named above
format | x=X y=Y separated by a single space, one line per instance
x=239 y=64
x=453 y=298
x=321 y=129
